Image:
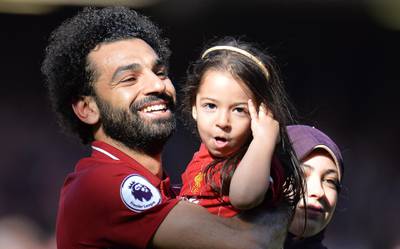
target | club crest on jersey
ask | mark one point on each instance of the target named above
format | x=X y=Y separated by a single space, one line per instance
x=138 y=194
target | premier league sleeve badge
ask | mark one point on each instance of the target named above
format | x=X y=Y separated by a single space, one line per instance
x=138 y=194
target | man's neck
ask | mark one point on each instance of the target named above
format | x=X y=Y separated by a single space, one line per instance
x=150 y=162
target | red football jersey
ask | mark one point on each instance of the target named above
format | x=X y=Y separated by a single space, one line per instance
x=110 y=201
x=196 y=190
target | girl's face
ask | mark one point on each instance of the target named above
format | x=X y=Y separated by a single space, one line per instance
x=221 y=113
x=322 y=179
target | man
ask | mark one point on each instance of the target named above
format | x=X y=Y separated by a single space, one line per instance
x=106 y=71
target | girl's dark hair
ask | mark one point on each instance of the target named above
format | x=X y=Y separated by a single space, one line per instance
x=269 y=91
x=67 y=71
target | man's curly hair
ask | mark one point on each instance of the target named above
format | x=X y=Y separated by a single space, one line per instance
x=67 y=72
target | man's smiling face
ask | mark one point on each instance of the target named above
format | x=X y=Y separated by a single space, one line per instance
x=135 y=97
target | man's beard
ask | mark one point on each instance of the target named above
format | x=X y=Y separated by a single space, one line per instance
x=127 y=127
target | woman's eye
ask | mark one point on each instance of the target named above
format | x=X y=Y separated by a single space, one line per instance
x=332 y=183
x=306 y=172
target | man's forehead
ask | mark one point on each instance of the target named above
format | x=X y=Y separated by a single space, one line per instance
x=124 y=48
x=123 y=52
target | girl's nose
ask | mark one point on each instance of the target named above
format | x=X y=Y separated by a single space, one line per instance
x=223 y=120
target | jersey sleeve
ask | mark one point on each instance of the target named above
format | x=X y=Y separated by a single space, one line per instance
x=112 y=207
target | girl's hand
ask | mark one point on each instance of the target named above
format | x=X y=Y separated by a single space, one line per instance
x=263 y=124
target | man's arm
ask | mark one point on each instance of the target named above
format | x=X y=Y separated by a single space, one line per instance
x=191 y=227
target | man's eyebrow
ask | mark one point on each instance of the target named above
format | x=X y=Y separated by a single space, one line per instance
x=121 y=69
x=159 y=63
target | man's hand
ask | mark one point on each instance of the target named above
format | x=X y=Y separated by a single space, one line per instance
x=189 y=226
x=270 y=225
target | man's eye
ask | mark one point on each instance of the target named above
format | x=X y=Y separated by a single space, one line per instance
x=162 y=74
x=128 y=79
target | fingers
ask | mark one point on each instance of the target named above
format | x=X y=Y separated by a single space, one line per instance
x=252 y=109
x=262 y=110
x=263 y=123
x=265 y=111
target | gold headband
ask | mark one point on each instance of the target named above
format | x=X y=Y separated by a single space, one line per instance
x=242 y=52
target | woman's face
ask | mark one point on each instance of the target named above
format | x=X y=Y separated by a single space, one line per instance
x=322 y=180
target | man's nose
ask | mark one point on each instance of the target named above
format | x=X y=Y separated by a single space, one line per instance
x=154 y=83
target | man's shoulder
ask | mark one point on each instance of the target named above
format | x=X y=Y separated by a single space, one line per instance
x=96 y=180
x=95 y=164
x=88 y=168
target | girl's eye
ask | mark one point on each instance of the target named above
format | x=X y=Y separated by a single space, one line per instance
x=209 y=106
x=241 y=110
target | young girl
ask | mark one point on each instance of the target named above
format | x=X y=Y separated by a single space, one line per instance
x=245 y=153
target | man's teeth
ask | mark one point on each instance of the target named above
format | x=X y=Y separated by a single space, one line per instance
x=154 y=108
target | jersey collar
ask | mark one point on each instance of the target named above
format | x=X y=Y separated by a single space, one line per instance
x=104 y=150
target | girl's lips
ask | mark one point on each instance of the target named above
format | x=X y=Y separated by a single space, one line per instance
x=220 y=143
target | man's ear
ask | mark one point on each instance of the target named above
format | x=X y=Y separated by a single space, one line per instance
x=86 y=109
x=194 y=112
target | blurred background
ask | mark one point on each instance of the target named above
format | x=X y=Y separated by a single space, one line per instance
x=338 y=58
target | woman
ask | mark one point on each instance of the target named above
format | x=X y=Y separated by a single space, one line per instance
x=322 y=164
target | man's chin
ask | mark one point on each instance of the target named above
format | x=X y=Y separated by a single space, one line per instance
x=158 y=121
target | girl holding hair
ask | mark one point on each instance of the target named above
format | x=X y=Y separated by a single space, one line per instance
x=237 y=101
x=323 y=169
